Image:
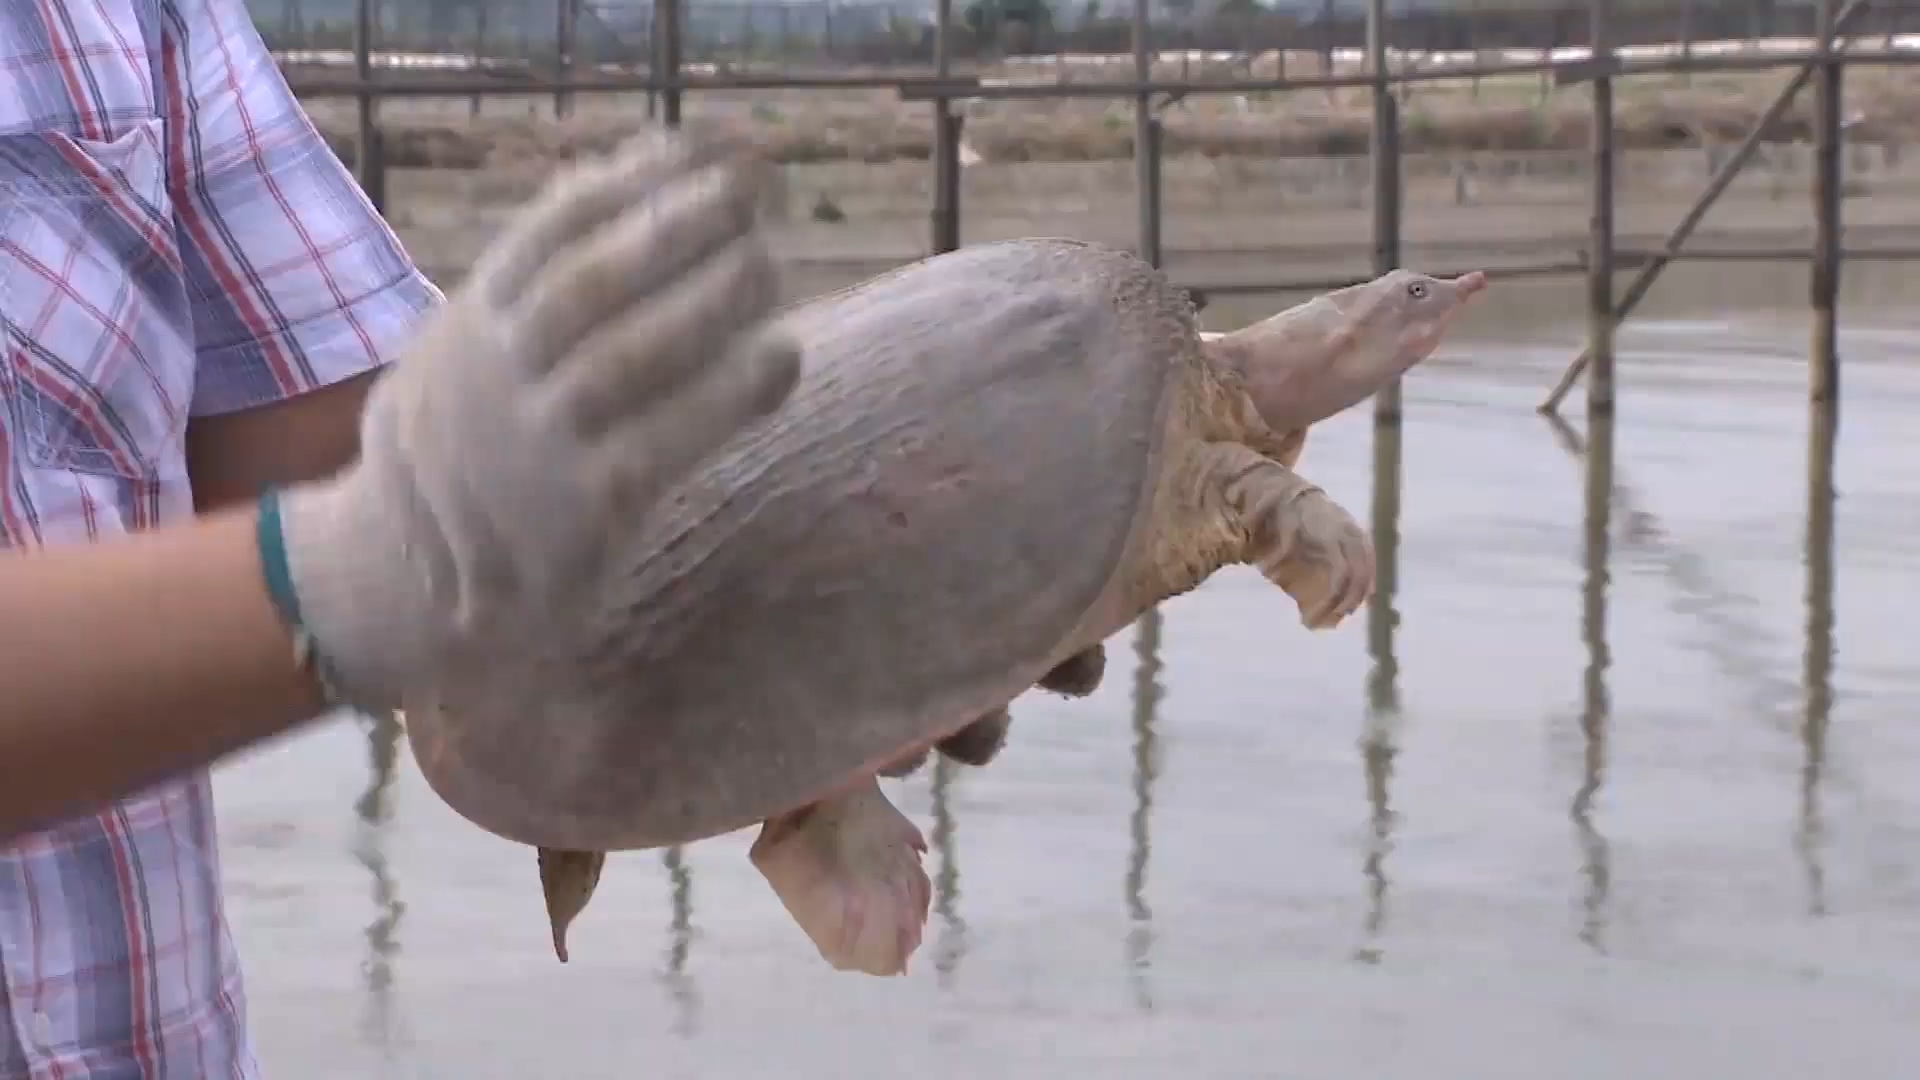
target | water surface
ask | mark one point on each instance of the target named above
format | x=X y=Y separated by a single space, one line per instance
x=1604 y=787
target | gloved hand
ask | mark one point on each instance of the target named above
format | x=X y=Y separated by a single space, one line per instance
x=612 y=337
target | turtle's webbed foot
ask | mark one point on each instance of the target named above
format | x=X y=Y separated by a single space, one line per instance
x=848 y=870
x=1321 y=556
x=1303 y=541
x=1078 y=675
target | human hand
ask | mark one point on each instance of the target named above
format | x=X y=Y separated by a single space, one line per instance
x=612 y=337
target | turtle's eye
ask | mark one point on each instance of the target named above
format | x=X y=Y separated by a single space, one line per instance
x=1417 y=290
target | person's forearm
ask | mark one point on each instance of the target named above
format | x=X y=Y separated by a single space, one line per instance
x=124 y=662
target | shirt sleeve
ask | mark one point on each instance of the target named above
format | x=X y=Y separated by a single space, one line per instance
x=293 y=280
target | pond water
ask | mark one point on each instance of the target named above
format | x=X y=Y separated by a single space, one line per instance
x=1600 y=787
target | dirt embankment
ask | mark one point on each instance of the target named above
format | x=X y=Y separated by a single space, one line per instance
x=828 y=126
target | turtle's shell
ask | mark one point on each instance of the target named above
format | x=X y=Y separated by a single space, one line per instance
x=904 y=546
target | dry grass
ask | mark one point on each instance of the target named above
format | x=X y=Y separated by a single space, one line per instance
x=826 y=126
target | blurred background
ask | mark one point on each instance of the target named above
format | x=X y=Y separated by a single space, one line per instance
x=1613 y=778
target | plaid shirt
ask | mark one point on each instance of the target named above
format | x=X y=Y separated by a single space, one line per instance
x=175 y=241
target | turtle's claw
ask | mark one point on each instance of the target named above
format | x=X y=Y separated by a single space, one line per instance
x=848 y=870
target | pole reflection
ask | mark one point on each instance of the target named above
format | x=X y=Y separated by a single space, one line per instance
x=373 y=810
x=1147 y=692
x=1817 y=664
x=680 y=985
x=1739 y=645
x=1379 y=738
x=1596 y=707
x=952 y=943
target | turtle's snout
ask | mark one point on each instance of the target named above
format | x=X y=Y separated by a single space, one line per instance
x=1468 y=284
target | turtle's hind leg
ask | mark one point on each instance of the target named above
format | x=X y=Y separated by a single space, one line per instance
x=848 y=870
x=978 y=742
x=1078 y=675
x=981 y=741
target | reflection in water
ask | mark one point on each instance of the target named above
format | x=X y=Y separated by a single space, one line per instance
x=1736 y=643
x=374 y=809
x=1818 y=665
x=952 y=944
x=1595 y=710
x=680 y=986
x=1146 y=767
x=1378 y=740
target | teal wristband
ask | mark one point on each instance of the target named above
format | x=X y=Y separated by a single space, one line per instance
x=270 y=540
x=272 y=543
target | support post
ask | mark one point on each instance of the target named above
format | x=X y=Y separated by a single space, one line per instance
x=946 y=143
x=667 y=57
x=946 y=177
x=1143 y=135
x=1824 y=382
x=369 y=162
x=1150 y=193
x=1677 y=238
x=1385 y=160
x=479 y=53
x=1600 y=321
x=1686 y=39
x=566 y=35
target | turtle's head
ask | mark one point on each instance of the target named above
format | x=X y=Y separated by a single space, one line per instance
x=1331 y=353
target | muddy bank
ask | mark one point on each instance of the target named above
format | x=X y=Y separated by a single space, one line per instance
x=1241 y=220
x=799 y=127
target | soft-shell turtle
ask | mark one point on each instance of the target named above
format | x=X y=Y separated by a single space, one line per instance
x=996 y=458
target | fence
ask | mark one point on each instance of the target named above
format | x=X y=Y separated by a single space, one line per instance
x=649 y=46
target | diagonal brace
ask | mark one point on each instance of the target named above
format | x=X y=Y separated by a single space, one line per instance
x=1717 y=186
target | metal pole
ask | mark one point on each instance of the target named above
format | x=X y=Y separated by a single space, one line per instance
x=1150 y=195
x=1600 y=322
x=479 y=53
x=368 y=163
x=1385 y=153
x=1686 y=38
x=946 y=144
x=667 y=12
x=1143 y=136
x=1677 y=238
x=566 y=35
x=1825 y=377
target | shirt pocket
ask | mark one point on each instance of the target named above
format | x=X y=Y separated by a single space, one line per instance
x=99 y=354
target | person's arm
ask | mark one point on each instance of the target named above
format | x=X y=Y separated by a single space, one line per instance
x=143 y=656
x=156 y=653
x=232 y=457
x=299 y=291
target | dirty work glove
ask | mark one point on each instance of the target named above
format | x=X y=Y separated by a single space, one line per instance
x=611 y=338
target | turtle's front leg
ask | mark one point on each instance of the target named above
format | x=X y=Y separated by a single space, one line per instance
x=848 y=870
x=1296 y=534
